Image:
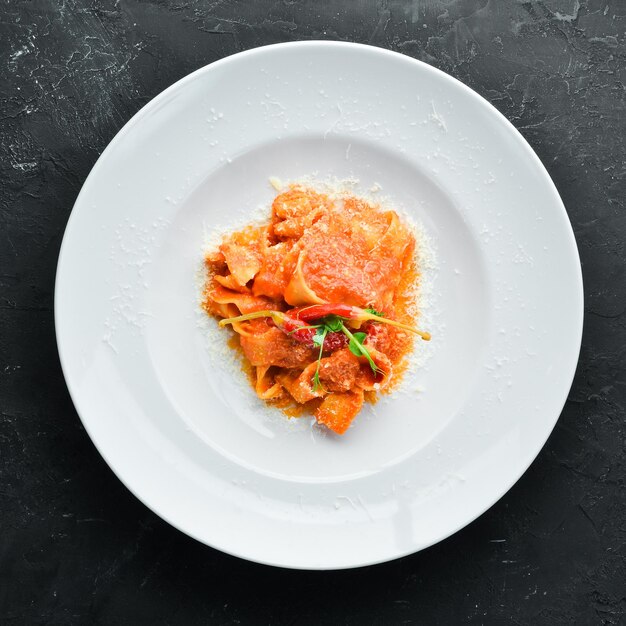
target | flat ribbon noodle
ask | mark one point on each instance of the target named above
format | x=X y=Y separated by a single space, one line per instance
x=265 y=386
x=298 y=293
x=245 y=302
x=339 y=409
x=367 y=379
x=243 y=252
x=279 y=264
x=299 y=385
x=230 y=282
x=273 y=347
x=385 y=267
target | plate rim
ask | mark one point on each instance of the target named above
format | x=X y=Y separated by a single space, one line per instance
x=577 y=320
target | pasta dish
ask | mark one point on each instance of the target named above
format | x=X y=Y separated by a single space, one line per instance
x=322 y=299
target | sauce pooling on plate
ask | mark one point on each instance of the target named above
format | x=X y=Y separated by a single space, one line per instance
x=322 y=299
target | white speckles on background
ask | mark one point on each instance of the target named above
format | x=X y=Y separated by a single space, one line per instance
x=133 y=247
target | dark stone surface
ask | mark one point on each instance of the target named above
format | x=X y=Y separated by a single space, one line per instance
x=77 y=547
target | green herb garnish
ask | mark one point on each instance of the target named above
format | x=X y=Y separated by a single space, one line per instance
x=334 y=324
x=318 y=340
x=356 y=343
x=356 y=347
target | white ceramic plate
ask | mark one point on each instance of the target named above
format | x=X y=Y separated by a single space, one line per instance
x=186 y=437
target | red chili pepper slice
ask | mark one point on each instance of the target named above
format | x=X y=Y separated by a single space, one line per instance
x=296 y=321
x=299 y=330
x=317 y=311
x=354 y=313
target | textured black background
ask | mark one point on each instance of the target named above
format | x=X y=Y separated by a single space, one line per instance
x=76 y=547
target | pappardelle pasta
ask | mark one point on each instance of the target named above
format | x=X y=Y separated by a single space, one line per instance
x=322 y=301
